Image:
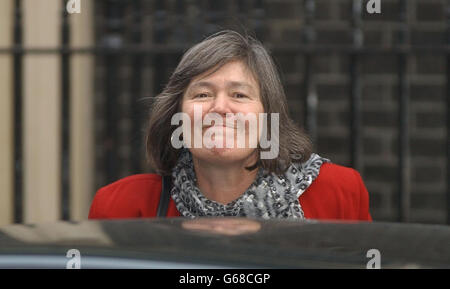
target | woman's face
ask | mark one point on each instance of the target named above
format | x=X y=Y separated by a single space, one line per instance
x=232 y=89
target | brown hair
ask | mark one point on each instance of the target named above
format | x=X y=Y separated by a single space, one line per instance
x=214 y=52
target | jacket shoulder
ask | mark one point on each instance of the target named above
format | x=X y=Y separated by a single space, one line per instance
x=340 y=192
x=131 y=196
x=331 y=173
x=131 y=182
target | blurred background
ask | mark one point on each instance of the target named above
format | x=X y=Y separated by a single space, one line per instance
x=370 y=89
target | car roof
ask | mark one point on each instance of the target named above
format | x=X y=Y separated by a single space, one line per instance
x=231 y=243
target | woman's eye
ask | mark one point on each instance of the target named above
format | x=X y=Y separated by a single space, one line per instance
x=239 y=95
x=201 y=95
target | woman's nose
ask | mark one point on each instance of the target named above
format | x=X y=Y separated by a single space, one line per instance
x=221 y=104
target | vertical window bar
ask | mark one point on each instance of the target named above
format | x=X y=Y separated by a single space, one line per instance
x=65 y=117
x=199 y=22
x=448 y=112
x=242 y=12
x=18 y=160
x=310 y=96
x=258 y=20
x=355 y=87
x=217 y=12
x=113 y=41
x=208 y=13
x=181 y=30
x=136 y=112
x=403 y=112
x=160 y=37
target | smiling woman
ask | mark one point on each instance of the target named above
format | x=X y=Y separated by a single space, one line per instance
x=213 y=173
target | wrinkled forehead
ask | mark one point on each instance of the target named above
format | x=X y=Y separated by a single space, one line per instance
x=235 y=72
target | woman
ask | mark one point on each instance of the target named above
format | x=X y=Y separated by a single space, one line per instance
x=228 y=74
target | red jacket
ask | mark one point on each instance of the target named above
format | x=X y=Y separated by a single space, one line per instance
x=337 y=193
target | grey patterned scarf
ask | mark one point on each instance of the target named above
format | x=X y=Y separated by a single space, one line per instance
x=270 y=196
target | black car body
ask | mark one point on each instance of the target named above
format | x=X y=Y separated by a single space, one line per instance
x=224 y=243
